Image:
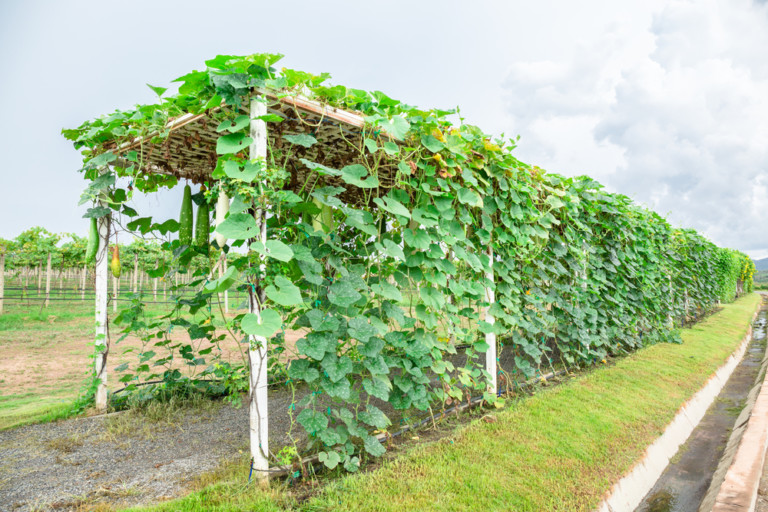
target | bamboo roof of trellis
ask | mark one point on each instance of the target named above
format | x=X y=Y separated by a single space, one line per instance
x=189 y=150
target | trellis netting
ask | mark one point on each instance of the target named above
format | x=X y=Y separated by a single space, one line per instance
x=390 y=239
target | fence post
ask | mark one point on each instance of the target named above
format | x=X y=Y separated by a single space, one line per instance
x=101 y=287
x=490 y=338
x=48 y=281
x=257 y=352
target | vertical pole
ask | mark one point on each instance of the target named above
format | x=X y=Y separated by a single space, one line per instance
x=48 y=281
x=135 y=273
x=84 y=277
x=490 y=338
x=222 y=269
x=39 y=278
x=154 y=289
x=115 y=291
x=257 y=352
x=2 y=281
x=101 y=287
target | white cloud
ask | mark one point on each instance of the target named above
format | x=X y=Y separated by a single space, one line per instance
x=676 y=112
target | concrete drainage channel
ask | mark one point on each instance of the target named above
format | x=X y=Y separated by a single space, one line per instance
x=687 y=467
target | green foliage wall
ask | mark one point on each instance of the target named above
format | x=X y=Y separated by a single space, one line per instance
x=388 y=285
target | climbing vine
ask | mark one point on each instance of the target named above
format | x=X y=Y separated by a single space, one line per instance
x=380 y=263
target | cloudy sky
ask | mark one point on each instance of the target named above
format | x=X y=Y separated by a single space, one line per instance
x=664 y=101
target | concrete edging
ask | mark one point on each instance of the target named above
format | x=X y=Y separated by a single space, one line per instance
x=738 y=492
x=627 y=494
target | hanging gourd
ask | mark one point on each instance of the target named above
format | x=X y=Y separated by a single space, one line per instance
x=93 y=242
x=203 y=225
x=185 y=217
x=222 y=208
x=114 y=265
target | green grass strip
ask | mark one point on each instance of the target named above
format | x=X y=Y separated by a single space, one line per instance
x=559 y=450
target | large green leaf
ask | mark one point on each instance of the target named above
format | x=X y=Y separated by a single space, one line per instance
x=224 y=282
x=301 y=139
x=360 y=329
x=232 y=143
x=343 y=294
x=283 y=292
x=336 y=367
x=387 y=291
x=274 y=249
x=374 y=417
x=238 y=226
x=467 y=196
x=312 y=421
x=432 y=297
x=357 y=175
x=234 y=125
x=266 y=325
x=378 y=386
x=246 y=172
x=330 y=458
x=396 y=126
x=392 y=206
x=301 y=369
x=317 y=344
x=373 y=446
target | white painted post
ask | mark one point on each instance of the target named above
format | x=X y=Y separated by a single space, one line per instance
x=39 y=278
x=48 y=281
x=102 y=293
x=490 y=338
x=154 y=289
x=222 y=269
x=135 y=273
x=2 y=281
x=82 y=287
x=257 y=353
x=115 y=291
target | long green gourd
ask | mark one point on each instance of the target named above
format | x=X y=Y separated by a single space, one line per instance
x=185 y=217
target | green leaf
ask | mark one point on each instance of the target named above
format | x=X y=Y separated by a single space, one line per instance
x=231 y=126
x=343 y=294
x=238 y=226
x=321 y=321
x=330 y=458
x=376 y=365
x=270 y=118
x=418 y=239
x=246 y=173
x=373 y=446
x=391 y=148
x=317 y=344
x=336 y=367
x=274 y=249
x=432 y=297
x=370 y=144
x=378 y=386
x=392 y=206
x=360 y=329
x=393 y=250
x=320 y=168
x=232 y=143
x=96 y=212
x=467 y=196
x=387 y=291
x=312 y=421
x=301 y=139
x=158 y=90
x=374 y=417
x=284 y=292
x=357 y=175
x=266 y=326
x=396 y=126
x=431 y=143
x=554 y=202
x=339 y=389
x=301 y=369
x=224 y=282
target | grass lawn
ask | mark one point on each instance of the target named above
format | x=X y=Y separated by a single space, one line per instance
x=560 y=449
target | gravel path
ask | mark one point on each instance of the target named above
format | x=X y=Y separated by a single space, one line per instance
x=67 y=464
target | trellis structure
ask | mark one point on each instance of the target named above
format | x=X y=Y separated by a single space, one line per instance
x=392 y=238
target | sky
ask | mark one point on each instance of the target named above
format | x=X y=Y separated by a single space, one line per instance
x=663 y=101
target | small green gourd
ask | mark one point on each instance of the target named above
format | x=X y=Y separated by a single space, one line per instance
x=93 y=242
x=203 y=226
x=185 y=217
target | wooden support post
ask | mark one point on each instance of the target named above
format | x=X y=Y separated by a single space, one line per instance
x=48 y=281
x=490 y=338
x=257 y=352
x=2 y=281
x=154 y=289
x=115 y=292
x=39 y=278
x=101 y=287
